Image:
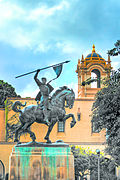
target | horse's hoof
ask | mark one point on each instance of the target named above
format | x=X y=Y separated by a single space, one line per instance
x=16 y=140
x=33 y=139
x=19 y=143
x=46 y=138
x=72 y=124
x=49 y=141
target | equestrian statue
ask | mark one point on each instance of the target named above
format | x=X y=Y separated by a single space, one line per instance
x=49 y=110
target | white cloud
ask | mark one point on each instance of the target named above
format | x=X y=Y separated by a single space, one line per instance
x=43 y=47
x=45 y=12
x=9 y=11
x=17 y=38
x=29 y=91
x=11 y=31
x=24 y=28
x=67 y=47
x=116 y=65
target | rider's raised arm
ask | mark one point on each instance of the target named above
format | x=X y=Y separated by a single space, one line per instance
x=36 y=79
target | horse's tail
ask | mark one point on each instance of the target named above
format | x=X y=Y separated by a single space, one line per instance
x=17 y=103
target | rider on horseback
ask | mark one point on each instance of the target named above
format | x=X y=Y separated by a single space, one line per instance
x=43 y=95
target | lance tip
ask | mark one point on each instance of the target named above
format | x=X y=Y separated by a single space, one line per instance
x=67 y=61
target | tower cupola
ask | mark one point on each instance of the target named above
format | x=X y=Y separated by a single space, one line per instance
x=92 y=64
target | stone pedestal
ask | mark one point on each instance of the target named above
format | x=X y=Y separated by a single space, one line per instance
x=44 y=162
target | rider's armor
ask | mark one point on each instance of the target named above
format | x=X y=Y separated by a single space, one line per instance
x=43 y=96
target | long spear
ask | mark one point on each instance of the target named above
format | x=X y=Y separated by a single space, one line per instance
x=41 y=69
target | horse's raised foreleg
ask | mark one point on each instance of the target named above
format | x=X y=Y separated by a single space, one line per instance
x=73 y=122
x=49 y=130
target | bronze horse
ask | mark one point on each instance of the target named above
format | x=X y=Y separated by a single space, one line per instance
x=63 y=97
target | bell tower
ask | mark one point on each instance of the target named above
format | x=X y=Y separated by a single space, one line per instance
x=93 y=69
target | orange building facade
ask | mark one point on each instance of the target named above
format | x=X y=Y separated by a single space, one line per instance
x=83 y=133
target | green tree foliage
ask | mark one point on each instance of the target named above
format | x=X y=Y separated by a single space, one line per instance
x=107 y=168
x=116 y=50
x=86 y=163
x=6 y=90
x=81 y=163
x=106 y=114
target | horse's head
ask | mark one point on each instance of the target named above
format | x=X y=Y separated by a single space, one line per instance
x=70 y=98
x=63 y=96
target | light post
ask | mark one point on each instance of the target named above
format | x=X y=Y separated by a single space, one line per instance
x=98 y=153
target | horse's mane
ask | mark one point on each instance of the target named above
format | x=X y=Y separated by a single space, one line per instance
x=59 y=90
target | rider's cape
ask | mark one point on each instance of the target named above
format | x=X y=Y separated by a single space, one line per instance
x=38 y=97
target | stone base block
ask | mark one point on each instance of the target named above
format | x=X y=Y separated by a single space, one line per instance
x=41 y=163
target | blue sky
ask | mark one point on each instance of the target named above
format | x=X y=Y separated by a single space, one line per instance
x=38 y=33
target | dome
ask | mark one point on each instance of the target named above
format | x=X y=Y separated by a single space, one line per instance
x=94 y=57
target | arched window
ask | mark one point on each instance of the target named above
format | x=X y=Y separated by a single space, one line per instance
x=2 y=170
x=95 y=74
x=94 y=128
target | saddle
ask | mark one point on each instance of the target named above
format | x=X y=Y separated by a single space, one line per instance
x=41 y=105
